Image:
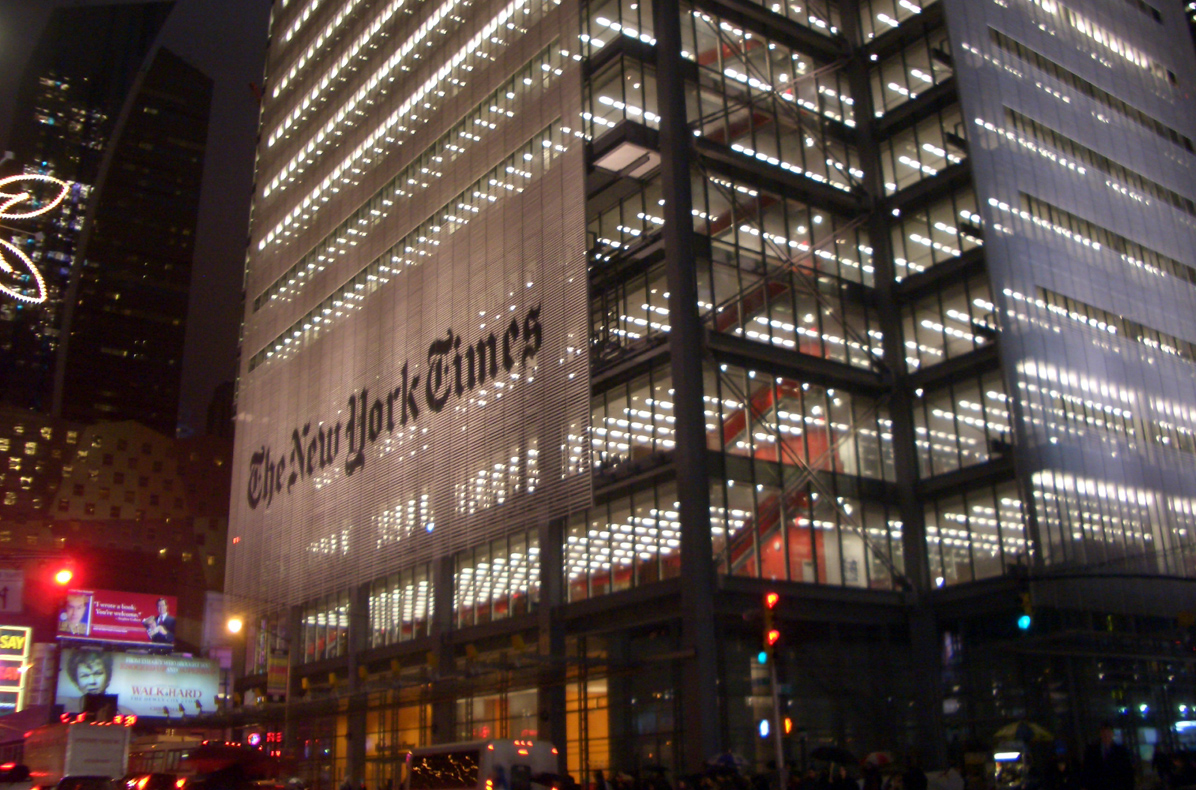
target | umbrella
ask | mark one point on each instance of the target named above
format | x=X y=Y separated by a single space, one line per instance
x=878 y=759
x=727 y=759
x=1024 y=731
x=833 y=754
x=949 y=779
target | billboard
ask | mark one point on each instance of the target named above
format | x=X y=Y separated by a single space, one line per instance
x=143 y=684
x=15 y=644
x=122 y=617
x=12 y=587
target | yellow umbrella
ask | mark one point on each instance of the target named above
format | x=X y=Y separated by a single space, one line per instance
x=1024 y=731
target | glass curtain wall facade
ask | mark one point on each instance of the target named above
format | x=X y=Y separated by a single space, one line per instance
x=888 y=309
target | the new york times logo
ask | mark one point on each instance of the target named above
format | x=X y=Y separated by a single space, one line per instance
x=454 y=370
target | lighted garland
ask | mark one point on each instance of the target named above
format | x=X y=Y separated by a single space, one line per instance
x=22 y=262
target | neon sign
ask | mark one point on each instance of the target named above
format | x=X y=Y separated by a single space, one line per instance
x=12 y=260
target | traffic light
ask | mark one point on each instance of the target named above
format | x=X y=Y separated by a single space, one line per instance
x=1027 y=617
x=771 y=634
x=63 y=576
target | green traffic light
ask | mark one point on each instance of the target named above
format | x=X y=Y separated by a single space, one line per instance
x=762 y=657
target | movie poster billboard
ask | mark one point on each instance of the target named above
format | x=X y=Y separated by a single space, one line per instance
x=143 y=684
x=121 y=617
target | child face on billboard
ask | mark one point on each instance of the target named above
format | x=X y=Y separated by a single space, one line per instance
x=91 y=676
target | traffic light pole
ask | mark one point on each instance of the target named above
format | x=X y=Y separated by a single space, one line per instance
x=778 y=727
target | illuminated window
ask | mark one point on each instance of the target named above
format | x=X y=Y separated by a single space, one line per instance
x=4 y=445
x=72 y=437
x=187 y=556
x=14 y=463
x=47 y=432
x=1086 y=88
x=10 y=498
x=211 y=559
x=18 y=429
x=5 y=536
x=30 y=448
x=162 y=553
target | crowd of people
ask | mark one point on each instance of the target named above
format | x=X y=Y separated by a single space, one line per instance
x=819 y=776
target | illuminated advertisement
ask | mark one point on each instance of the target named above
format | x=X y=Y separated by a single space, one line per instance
x=14 y=661
x=108 y=616
x=145 y=685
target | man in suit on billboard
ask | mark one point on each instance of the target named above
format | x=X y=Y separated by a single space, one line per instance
x=160 y=629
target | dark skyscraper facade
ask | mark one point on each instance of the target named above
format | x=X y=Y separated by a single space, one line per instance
x=125 y=123
x=883 y=306
x=70 y=99
x=123 y=357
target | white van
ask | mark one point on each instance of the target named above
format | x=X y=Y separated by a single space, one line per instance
x=496 y=764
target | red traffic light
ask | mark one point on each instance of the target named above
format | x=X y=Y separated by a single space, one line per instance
x=772 y=637
x=64 y=576
x=771 y=599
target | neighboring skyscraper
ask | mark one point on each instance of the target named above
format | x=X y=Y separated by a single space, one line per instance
x=124 y=356
x=888 y=309
x=70 y=99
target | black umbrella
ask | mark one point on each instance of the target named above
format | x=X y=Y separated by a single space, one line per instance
x=833 y=754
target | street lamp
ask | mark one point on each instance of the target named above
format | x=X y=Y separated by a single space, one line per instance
x=236 y=626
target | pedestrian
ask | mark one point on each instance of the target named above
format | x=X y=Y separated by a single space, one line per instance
x=914 y=777
x=872 y=778
x=1107 y=765
x=1061 y=774
x=841 y=781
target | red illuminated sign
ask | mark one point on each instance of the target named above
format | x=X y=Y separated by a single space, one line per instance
x=109 y=616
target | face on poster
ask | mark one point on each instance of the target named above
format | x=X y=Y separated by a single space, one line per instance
x=123 y=617
x=146 y=685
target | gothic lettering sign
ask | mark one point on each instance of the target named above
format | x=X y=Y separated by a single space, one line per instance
x=455 y=367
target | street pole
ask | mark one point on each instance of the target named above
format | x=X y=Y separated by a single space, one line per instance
x=778 y=727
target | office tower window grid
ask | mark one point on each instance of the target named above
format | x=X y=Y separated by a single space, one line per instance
x=455 y=391
x=942 y=280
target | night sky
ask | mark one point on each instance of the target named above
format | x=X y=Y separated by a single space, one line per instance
x=226 y=39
